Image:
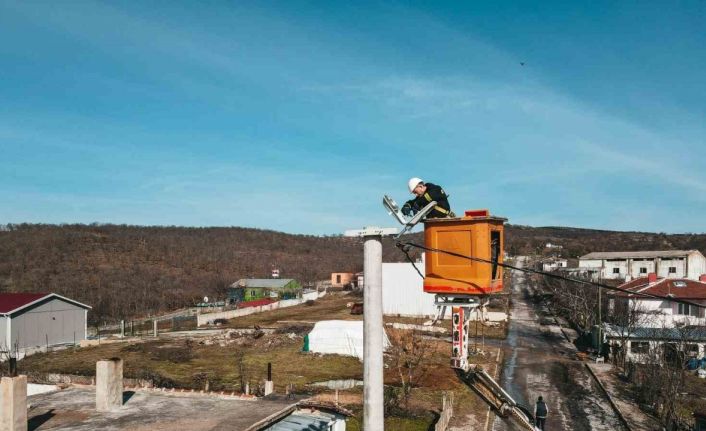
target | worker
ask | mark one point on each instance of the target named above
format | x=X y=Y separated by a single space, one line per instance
x=540 y=413
x=425 y=193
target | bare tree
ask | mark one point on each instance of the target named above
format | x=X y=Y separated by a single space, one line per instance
x=628 y=315
x=407 y=355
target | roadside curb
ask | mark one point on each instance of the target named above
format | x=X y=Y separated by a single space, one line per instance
x=610 y=399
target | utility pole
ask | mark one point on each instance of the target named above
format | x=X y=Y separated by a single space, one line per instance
x=373 y=408
x=600 y=320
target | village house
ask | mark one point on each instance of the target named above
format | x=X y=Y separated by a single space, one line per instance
x=342 y=279
x=552 y=264
x=251 y=289
x=664 y=313
x=625 y=265
x=652 y=323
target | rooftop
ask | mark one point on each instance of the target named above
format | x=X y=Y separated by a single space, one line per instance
x=74 y=409
x=681 y=288
x=268 y=283
x=637 y=254
x=687 y=333
x=12 y=302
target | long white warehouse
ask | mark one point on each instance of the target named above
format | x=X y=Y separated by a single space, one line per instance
x=668 y=264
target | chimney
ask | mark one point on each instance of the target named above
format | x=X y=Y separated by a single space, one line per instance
x=651 y=277
x=702 y=277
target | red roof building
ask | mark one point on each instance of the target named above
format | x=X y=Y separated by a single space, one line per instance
x=664 y=313
x=10 y=302
x=37 y=321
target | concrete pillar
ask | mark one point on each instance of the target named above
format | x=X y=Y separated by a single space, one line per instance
x=373 y=411
x=13 y=403
x=109 y=384
x=247 y=388
x=269 y=384
x=154 y=329
x=122 y=329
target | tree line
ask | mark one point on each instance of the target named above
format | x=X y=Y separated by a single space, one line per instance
x=127 y=271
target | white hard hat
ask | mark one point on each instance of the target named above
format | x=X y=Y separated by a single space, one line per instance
x=413 y=183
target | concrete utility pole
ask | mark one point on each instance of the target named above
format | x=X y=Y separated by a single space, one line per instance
x=373 y=335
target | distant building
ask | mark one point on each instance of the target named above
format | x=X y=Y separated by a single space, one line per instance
x=251 y=289
x=553 y=264
x=554 y=246
x=342 y=279
x=631 y=264
x=34 y=321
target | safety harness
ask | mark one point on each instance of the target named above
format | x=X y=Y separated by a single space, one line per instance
x=446 y=212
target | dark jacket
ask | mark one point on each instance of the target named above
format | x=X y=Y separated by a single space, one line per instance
x=541 y=409
x=433 y=193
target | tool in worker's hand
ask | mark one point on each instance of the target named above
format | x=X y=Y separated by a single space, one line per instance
x=394 y=210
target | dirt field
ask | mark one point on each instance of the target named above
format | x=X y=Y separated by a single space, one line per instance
x=240 y=354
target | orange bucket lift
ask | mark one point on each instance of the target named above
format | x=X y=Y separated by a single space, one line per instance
x=477 y=234
x=462 y=284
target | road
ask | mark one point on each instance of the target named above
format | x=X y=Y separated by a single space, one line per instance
x=540 y=361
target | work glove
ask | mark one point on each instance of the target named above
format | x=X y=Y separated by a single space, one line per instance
x=407 y=209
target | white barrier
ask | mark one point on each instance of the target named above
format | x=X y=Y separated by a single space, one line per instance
x=203 y=319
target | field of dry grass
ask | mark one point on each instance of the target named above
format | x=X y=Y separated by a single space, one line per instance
x=227 y=359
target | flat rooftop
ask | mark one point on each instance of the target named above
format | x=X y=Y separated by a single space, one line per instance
x=74 y=409
x=636 y=254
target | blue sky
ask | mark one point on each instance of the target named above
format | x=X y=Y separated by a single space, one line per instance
x=299 y=116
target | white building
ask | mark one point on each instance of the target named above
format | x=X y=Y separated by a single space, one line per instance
x=663 y=313
x=403 y=291
x=35 y=321
x=554 y=264
x=631 y=264
x=645 y=344
x=662 y=324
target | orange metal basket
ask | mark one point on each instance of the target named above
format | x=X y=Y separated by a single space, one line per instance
x=477 y=234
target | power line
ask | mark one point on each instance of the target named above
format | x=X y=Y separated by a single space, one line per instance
x=404 y=247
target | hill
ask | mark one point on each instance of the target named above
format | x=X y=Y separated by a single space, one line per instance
x=124 y=271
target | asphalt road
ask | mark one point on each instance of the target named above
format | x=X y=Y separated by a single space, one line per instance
x=540 y=361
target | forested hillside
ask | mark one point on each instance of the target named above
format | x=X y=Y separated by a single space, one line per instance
x=124 y=271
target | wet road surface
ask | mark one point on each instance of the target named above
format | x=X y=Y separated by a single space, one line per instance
x=540 y=361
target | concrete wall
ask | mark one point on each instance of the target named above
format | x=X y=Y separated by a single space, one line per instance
x=697 y=265
x=203 y=319
x=403 y=291
x=678 y=264
x=57 y=321
x=637 y=265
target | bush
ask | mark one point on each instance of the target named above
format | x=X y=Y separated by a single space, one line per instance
x=309 y=302
x=220 y=321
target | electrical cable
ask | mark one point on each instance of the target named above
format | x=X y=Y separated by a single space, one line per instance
x=404 y=247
